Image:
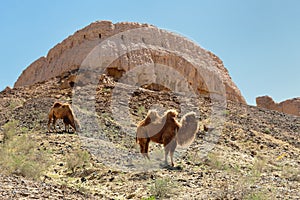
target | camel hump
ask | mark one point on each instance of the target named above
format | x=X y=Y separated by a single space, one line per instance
x=57 y=104
x=189 y=127
x=65 y=106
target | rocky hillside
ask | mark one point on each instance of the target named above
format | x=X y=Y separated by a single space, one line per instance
x=155 y=47
x=290 y=106
x=255 y=156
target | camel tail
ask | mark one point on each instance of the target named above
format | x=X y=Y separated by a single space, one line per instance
x=189 y=127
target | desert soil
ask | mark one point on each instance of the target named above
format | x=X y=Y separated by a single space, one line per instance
x=255 y=155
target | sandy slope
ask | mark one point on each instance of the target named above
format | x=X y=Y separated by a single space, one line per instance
x=255 y=155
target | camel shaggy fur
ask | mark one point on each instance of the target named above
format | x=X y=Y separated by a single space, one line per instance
x=62 y=111
x=166 y=130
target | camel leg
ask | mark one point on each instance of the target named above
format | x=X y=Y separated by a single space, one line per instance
x=170 y=147
x=66 y=128
x=166 y=155
x=145 y=154
x=144 y=147
x=67 y=124
x=173 y=145
x=53 y=124
x=50 y=116
x=171 y=155
x=73 y=127
x=147 y=148
x=167 y=145
x=167 y=150
x=140 y=142
x=49 y=122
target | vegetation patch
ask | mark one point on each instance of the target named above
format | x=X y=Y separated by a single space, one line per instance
x=161 y=188
x=77 y=159
x=20 y=153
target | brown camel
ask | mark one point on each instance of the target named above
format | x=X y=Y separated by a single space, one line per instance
x=62 y=111
x=166 y=130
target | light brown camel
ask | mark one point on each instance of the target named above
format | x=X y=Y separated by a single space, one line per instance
x=166 y=130
x=62 y=111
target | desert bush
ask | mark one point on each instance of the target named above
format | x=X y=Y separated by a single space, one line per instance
x=291 y=173
x=14 y=103
x=9 y=130
x=215 y=161
x=258 y=167
x=160 y=188
x=226 y=112
x=149 y=198
x=141 y=111
x=20 y=155
x=267 y=131
x=77 y=159
x=256 y=196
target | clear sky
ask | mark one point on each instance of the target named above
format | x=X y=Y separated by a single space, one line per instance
x=258 y=40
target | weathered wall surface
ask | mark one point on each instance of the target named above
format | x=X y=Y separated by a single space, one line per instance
x=70 y=53
x=290 y=106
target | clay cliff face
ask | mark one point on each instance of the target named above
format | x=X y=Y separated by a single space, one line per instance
x=290 y=106
x=71 y=52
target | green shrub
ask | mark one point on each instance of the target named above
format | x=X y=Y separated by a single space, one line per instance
x=9 y=130
x=160 y=188
x=77 y=159
x=215 y=161
x=267 y=131
x=291 y=173
x=256 y=196
x=20 y=155
x=149 y=198
x=14 y=103
x=141 y=111
x=258 y=167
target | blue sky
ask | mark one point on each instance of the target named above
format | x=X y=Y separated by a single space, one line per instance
x=258 y=40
